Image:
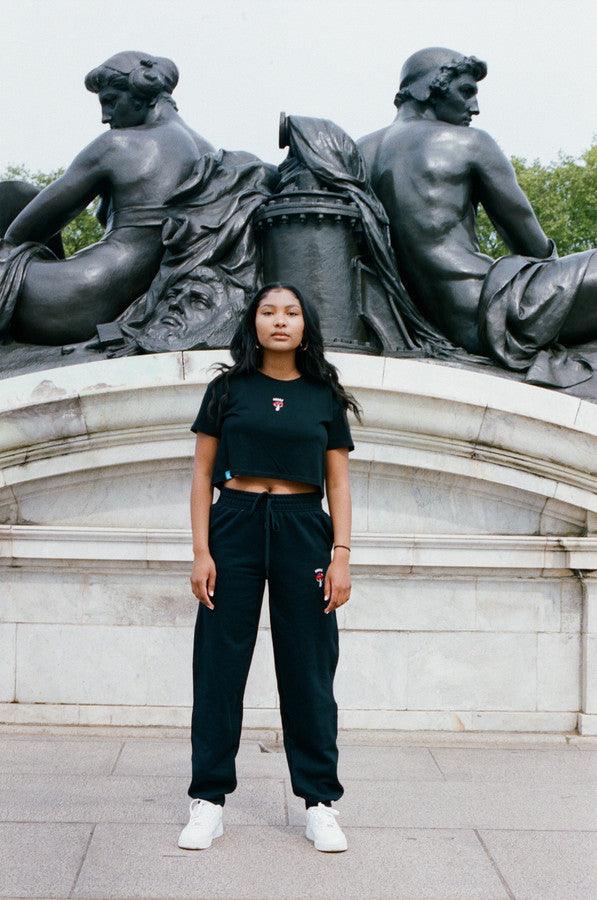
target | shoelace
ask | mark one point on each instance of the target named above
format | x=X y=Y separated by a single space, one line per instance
x=197 y=806
x=323 y=816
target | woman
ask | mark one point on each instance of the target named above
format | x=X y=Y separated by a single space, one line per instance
x=270 y=428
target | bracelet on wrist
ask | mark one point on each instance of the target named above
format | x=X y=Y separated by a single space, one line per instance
x=341 y=545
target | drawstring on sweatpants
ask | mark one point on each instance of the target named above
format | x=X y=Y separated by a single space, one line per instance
x=269 y=512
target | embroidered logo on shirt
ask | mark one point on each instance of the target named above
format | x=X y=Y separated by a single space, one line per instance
x=318 y=576
x=278 y=403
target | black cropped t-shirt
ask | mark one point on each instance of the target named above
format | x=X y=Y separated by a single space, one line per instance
x=274 y=428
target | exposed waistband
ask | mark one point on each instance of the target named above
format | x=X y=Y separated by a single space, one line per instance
x=306 y=500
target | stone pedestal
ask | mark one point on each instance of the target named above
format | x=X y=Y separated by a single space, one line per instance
x=474 y=516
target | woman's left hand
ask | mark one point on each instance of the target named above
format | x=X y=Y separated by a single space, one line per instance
x=337 y=583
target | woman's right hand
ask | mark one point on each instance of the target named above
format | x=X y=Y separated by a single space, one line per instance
x=203 y=578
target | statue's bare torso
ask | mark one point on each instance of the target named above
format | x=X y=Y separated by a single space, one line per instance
x=432 y=219
x=145 y=165
x=429 y=175
x=128 y=167
x=431 y=171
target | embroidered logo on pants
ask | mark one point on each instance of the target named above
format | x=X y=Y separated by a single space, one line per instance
x=318 y=576
x=278 y=403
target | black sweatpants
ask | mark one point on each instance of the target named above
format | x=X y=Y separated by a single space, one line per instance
x=286 y=538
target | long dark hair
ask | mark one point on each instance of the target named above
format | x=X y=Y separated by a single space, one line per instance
x=310 y=362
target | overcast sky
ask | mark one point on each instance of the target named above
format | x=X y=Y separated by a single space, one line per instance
x=243 y=61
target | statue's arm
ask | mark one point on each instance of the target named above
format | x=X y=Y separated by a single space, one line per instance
x=63 y=199
x=496 y=188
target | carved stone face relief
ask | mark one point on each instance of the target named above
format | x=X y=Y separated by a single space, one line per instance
x=192 y=312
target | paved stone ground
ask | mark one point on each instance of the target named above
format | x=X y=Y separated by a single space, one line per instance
x=96 y=812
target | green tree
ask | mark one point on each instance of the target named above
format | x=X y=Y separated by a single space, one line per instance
x=83 y=230
x=564 y=197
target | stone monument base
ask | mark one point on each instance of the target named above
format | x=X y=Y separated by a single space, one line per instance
x=474 y=601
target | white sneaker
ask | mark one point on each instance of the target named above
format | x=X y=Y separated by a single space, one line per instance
x=323 y=829
x=205 y=823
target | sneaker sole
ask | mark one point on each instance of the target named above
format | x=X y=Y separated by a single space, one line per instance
x=217 y=833
x=337 y=849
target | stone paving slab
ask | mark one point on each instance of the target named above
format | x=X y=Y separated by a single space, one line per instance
x=261 y=862
x=462 y=805
x=387 y=763
x=58 y=798
x=41 y=860
x=545 y=865
x=69 y=757
x=174 y=758
x=481 y=764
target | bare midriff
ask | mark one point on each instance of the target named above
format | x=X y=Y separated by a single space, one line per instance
x=273 y=485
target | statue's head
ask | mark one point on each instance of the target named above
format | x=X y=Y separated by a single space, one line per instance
x=129 y=84
x=445 y=80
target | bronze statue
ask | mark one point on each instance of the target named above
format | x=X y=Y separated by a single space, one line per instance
x=210 y=261
x=383 y=231
x=135 y=167
x=431 y=170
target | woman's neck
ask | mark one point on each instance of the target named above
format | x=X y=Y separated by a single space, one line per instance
x=275 y=367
